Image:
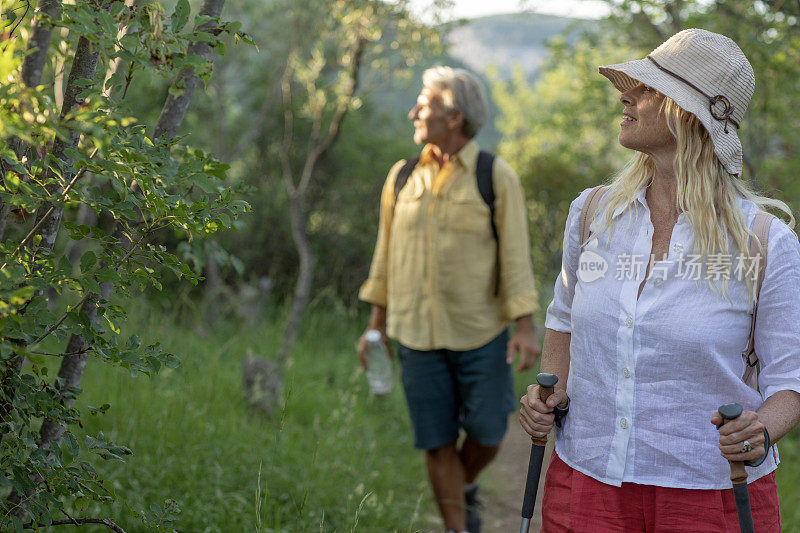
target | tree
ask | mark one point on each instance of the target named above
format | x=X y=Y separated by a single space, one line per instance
x=769 y=34
x=561 y=133
x=141 y=187
x=334 y=46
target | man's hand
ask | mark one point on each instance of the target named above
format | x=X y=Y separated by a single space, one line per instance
x=362 y=346
x=377 y=320
x=524 y=341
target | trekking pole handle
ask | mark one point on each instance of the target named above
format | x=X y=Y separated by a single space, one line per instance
x=546 y=383
x=731 y=411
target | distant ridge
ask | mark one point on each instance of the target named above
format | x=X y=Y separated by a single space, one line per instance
x=506 y=40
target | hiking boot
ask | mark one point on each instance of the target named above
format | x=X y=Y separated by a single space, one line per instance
x=473 y=505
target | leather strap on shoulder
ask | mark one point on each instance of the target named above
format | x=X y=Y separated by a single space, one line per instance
x=757 y=248
x=588 y=211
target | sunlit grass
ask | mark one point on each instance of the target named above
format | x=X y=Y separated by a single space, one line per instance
x=333 y=458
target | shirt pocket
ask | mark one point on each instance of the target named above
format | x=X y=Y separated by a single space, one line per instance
x=468 y=214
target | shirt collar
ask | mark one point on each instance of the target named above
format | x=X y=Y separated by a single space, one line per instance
x=639 y=197
x=467 y=157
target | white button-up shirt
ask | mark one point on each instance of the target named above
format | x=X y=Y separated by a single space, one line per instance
x=646 y=374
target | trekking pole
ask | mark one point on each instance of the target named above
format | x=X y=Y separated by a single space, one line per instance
x=729 y=411
x=546 y=383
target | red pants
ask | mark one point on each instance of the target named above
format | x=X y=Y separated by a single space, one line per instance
x=574 y=502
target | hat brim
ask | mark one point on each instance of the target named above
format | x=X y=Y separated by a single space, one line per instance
x=625 y=76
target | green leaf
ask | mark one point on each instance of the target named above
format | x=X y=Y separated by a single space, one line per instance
x=82 y=503
x=21 y=295
x=107 y=275
x=88 y=260
x=180 y=16
x=204 y=183
x=71 y=443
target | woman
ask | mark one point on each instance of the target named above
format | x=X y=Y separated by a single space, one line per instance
x=647 y=349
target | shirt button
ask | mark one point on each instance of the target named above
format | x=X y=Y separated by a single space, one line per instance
x=629 y=321
x=626 y=373
x=658 y=282
x=623 y=423
x=678 y=247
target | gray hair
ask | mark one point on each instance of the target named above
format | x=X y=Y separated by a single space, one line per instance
x=460 y=90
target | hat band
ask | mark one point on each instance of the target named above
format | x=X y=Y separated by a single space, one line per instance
x=726 y=113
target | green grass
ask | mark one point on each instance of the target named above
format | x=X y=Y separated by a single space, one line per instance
x=335 y=458
x=788 y=478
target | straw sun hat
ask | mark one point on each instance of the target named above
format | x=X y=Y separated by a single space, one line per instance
x=707 y=75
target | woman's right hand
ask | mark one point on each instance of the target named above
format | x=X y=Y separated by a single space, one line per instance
x=535 y=416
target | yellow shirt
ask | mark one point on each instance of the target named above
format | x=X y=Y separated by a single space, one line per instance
x=434 y=262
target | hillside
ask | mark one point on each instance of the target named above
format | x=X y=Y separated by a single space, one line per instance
x=503 y=41
x=500 y=41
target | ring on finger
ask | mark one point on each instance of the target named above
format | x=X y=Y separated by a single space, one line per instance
x=746 y=446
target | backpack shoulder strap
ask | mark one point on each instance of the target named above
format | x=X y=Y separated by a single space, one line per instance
x=757 y=248
x=403 y=175
x=485 y=179
x=483 y=173
x=589 y=210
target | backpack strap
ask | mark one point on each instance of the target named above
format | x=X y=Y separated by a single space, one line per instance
x=589 y=210
x=485 y=179
x=757 y=248
x=403 y=174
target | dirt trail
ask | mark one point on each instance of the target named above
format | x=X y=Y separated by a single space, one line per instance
x=503 y=483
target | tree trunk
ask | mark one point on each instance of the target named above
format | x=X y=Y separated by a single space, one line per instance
x=297 y=194
x=72 y=367
x=175 y=106
x=212 y=288
x=302 y=289
x=83 y=67
x=71 y=372
x=31 y=73
x=39 y=42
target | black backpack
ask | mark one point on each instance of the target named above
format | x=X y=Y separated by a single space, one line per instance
x=485 y=181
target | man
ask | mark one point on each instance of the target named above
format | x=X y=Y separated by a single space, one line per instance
x=434 y=287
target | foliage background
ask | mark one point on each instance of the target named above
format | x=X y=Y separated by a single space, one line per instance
x=331 y=457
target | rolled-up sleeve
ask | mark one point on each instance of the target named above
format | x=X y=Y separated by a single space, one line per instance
x=559 y=312
x=777 y=334
x=517 y=289
x=375 y=289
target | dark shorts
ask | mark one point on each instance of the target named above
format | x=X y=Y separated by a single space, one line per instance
x=448 y=390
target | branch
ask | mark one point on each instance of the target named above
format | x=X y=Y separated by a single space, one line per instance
x=68 y=354
x=50 y=211
x=336 y=122
x=27 y=8
x=87 y=295
x=175 y=107
x=77 y=522
x=288 y=124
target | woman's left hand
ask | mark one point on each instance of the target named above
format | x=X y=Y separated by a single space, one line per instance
x=746 y=427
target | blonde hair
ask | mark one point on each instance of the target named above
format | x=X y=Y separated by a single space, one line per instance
x=461 y=90
x=706 y=193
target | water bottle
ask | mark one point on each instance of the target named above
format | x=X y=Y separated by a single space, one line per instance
x=379 y=366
